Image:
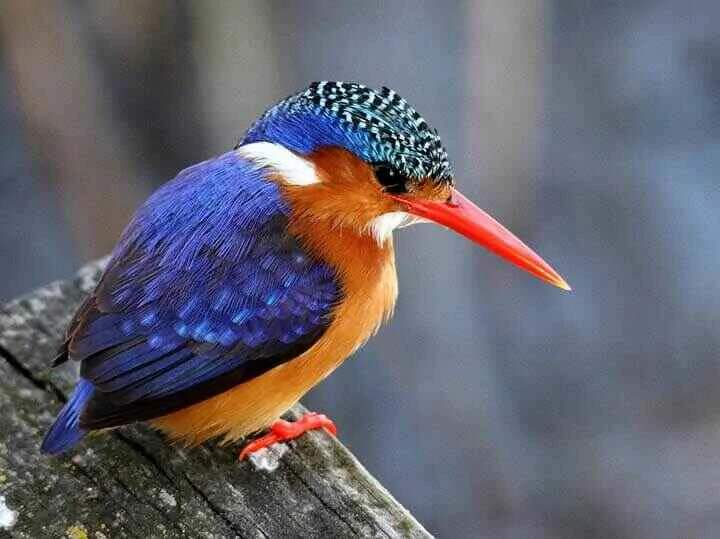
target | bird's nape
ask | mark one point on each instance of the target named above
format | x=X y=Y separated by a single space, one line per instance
x=464 y=217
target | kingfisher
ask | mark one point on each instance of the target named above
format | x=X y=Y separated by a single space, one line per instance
x=248 y=278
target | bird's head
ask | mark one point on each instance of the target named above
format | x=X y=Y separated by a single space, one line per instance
x=367 y=162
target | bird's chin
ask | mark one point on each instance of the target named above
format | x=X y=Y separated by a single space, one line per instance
x=381 y=228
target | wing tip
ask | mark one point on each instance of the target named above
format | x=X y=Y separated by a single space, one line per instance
x=65 y=432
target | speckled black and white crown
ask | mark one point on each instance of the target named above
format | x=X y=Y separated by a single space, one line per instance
x=377 y=125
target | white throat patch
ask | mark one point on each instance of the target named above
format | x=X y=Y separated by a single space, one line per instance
x=294 y=169
x=382 y=227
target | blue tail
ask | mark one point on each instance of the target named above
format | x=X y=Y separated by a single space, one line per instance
x=66 y=431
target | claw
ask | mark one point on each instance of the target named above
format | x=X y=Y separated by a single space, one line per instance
x=283 y=431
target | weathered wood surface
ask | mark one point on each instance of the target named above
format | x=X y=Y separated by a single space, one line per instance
x=130 y=483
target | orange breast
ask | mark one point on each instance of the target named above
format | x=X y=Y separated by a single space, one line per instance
x=367 y=275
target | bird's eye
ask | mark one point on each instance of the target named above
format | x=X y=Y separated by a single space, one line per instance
x=390 y=178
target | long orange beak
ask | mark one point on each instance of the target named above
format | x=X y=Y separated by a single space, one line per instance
x=464 y=217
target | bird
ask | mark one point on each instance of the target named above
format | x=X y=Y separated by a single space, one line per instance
x=248 y=278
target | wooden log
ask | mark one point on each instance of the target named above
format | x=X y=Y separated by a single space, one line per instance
x=130 y=483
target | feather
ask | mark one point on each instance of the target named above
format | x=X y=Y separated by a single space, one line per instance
x=65 y=431
x=205 y=290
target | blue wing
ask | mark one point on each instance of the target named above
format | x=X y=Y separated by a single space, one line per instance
x=206 y=289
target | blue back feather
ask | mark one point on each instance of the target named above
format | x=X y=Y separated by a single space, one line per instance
x=205 y=289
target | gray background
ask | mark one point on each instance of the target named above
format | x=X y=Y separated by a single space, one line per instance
x=492 y=405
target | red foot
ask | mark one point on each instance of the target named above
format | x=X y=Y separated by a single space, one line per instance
x=282 y=431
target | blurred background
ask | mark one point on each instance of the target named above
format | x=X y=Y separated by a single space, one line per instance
x=493 y=405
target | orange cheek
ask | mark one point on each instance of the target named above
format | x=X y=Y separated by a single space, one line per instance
x=348 y=193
